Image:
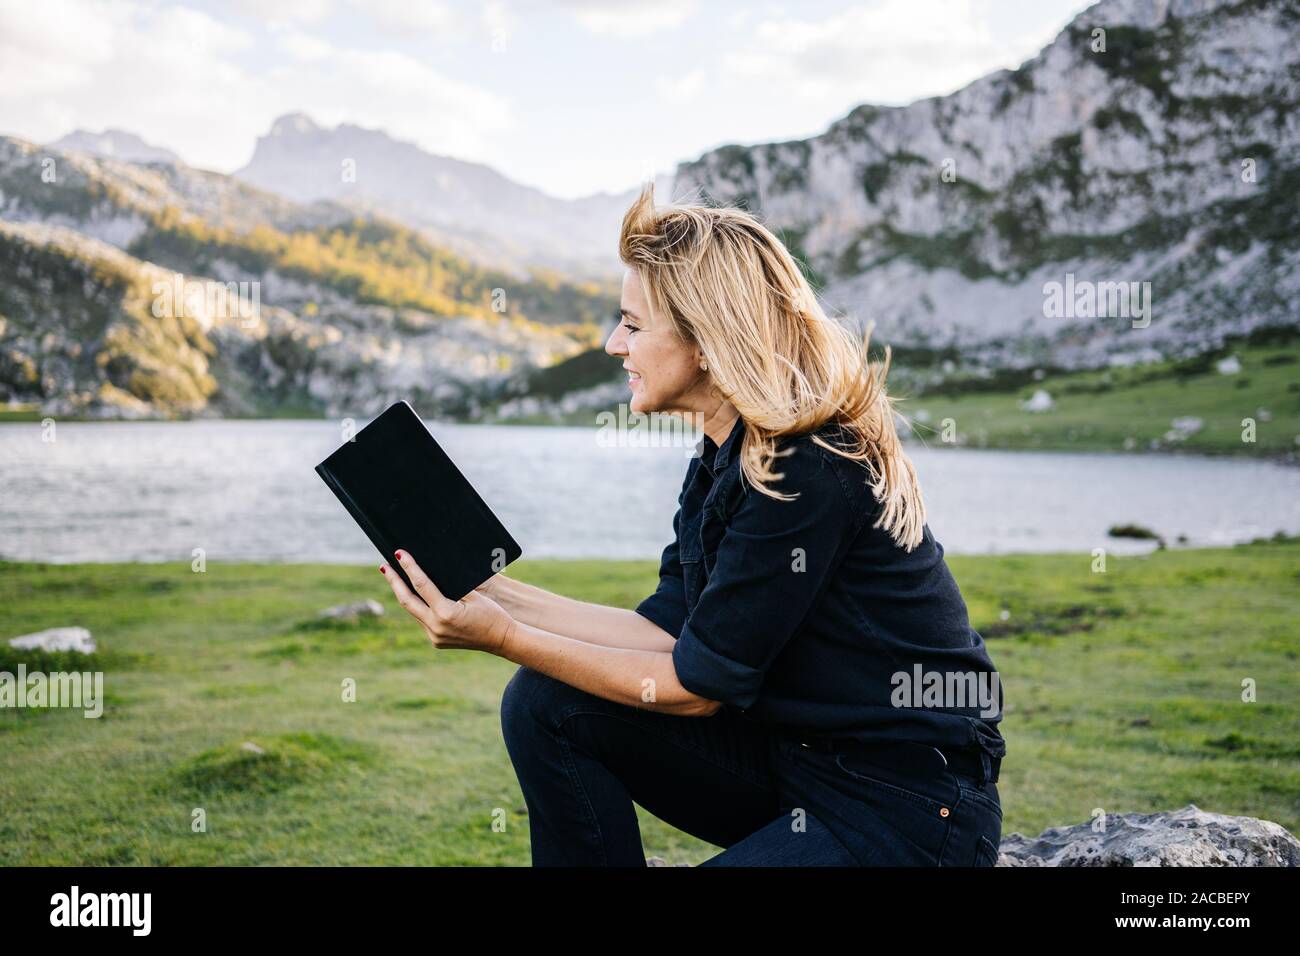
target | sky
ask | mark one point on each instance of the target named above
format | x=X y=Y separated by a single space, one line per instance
x=570 y=96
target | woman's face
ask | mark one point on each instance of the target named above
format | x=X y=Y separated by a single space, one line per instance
x=663 y=371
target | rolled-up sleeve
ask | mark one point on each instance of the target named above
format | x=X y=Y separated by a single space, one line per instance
x=667 y=606
x=773 y=564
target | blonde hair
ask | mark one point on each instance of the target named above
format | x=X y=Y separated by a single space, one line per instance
x=725 y=282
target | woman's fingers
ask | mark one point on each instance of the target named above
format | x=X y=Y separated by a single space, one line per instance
x=475 y=621
x=409 y=602
x=425 y=587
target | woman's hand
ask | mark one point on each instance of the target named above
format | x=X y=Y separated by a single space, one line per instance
x=493 y=589
x=475 y=622
x=506 y=592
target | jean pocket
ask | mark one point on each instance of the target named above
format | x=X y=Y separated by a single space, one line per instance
x=914 y=817
x=885 y=782
x=986 y=854
x=977 y=795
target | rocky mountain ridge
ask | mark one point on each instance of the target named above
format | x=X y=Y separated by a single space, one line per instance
x=1162 y=150
x=352 y=310
x=468 y=206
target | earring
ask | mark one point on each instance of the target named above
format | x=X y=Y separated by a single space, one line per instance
x=704 y=367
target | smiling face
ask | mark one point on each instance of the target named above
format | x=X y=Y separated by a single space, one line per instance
x=663 y=371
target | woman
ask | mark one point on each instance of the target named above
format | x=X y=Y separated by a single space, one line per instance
x=804 y=686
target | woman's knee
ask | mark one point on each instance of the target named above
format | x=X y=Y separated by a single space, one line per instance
x=533 y=700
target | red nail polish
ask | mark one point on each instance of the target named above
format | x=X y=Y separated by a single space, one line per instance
x=399 y=555
x=381 y=570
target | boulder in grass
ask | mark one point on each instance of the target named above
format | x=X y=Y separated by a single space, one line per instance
x=1183 y=428
x=56 y=639
x=1040 y=401
x=352 y=613
x=1186 y=837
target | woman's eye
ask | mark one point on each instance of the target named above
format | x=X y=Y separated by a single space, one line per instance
x=631 y=328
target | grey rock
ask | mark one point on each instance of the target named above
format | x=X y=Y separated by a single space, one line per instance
x=56 y=639
x=1186 y=837
x=1041 y=401
x=353 y=612
x=1183 y=428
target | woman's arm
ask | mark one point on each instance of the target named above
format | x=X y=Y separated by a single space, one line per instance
x=591 y=623
x=635 y=677
x=653 y=627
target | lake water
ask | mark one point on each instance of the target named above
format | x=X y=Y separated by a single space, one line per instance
x=246 y=490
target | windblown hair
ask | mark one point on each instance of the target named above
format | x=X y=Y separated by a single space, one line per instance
x=728 y=285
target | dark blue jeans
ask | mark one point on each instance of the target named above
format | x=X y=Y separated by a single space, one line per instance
x=583 y=762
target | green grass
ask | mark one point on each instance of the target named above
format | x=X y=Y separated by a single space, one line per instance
x=1123 y=692
x=1129 y=408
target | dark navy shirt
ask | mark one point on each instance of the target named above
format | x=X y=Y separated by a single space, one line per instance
x=801 y=615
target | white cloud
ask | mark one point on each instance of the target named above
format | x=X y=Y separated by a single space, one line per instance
x=892 y=51
x=629 y=18
x=304 y=47
x=207 y=90
x=415 y=16
x=52 y=46
x=288 y=11
x=73 y=63
x=738 y=18
x=389 y=91
x=681 y=88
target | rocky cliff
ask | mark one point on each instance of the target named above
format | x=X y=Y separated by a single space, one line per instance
x=1153 y=141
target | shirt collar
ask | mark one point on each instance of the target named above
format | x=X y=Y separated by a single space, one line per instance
x=715 y=458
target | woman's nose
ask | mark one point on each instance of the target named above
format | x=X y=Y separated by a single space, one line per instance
x=614 y=344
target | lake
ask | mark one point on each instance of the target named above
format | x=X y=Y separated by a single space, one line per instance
x=246 y=490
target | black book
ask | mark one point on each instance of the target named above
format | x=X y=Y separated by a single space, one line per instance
x=402 y=489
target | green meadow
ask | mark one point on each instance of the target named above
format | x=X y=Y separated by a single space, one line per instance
x=224 y=695
x=1127 y=409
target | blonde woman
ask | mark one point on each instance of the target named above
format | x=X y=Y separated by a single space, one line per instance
x=804 y=687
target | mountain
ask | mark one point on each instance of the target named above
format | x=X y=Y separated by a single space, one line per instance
x=986 y=233
x=114 y=144
x=342 y=311
x=467 y=206
x=1171 y=156
x=116 y=201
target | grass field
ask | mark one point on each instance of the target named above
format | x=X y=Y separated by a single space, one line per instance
x=1123 y=692
x=1132 y=409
